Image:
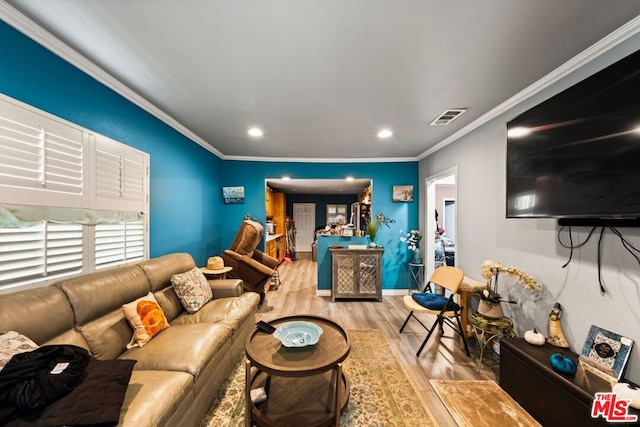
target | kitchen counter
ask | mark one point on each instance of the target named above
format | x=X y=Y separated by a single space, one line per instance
x=271 y=237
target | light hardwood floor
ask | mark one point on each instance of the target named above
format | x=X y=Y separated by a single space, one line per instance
x=442 y=358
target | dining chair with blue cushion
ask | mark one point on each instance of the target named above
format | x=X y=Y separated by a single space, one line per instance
x=443 y=307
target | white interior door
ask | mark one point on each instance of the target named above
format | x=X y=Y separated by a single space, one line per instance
x=304 y=217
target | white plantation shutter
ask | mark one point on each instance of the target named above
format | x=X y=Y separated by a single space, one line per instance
x=118 y=243
x=40 y=159
x=120 y=176
x=47 y=163
x=64 y=249
x=22 y=254
x=44 y=251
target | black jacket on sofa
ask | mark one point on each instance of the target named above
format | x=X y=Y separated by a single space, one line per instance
x=62 y=385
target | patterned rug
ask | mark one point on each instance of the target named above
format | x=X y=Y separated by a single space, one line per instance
x=382 y=394
x=481 y=404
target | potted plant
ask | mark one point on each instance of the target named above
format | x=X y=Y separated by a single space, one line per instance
x=372 y=229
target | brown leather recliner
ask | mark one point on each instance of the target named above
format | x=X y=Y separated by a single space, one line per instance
x=251 y=265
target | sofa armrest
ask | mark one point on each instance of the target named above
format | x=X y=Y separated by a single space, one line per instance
x=225 y=288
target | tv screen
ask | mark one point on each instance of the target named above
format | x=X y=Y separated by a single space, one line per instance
x=577 y=155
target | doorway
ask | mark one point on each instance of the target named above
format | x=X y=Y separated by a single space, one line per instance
x=304 y=217
x=440 y=202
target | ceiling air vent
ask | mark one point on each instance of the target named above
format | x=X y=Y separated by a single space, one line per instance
x=448 y=116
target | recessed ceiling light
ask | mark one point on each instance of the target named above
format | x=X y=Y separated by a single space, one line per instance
x=285 y=178
x=255 y=132
x=349 y=178
x=385 y=133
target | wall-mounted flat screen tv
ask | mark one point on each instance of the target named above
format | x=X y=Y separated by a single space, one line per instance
x=577 y=155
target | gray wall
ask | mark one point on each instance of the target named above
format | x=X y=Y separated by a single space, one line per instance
x=532 y=245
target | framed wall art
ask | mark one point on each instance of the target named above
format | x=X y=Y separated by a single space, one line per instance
x=402 y=193
x=233 y=195
x=606 y=351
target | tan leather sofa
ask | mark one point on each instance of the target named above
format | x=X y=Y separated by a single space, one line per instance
x=179 y=371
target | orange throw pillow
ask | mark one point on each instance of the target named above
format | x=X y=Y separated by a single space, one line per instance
x=147 y=319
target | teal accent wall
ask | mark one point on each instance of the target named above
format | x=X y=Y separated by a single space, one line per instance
x=187 y=211
x=321 y=201
x=253 y=176
x=184 y=176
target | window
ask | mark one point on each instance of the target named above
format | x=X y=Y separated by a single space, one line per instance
x=42 y=252
x=118 y=243
x=72 y=184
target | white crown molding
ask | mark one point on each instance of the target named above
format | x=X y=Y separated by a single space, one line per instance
x=36 y=33
x=321 y=159
x=615 y=38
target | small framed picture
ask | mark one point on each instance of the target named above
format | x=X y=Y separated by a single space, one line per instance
x=233 y=195
x=402 y=193
x=606 y=351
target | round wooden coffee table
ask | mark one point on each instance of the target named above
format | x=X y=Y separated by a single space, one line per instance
x=305 y=386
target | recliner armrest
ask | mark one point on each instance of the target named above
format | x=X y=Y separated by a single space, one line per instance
x=254 y=266
x=265 y=259
x=225 y=288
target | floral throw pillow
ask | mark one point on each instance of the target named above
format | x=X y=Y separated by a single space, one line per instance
x=147 y=319
x=12 y=343
x=192 y=289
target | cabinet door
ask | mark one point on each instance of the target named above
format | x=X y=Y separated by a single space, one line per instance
x=368 y=274
x=344 y=275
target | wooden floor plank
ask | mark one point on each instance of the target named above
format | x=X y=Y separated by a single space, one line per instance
x=443 y=358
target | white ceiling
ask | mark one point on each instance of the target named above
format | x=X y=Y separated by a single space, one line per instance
x=322 y=77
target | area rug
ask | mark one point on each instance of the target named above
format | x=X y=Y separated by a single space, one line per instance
x=382 y=394
x=481 y=403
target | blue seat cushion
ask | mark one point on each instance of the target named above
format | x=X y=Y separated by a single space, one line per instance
x=433 y=301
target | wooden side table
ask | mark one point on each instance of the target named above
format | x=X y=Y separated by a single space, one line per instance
x=416 y=277
x=219 y=274
x=487 y=329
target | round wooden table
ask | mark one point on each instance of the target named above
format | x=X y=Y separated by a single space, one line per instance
x=305 y=386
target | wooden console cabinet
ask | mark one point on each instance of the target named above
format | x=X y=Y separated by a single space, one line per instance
x=356 y=273
x=552 y=398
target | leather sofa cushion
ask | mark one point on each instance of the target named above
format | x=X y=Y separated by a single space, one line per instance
x=228 y=311
x=170 y=303
x=184 y=348
x=41 y=314
x=159 y=270
x=95 y=294
x=108 y=335
x=151 y=395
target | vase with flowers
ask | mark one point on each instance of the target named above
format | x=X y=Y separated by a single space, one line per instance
x=412 y=239
x=490 y=304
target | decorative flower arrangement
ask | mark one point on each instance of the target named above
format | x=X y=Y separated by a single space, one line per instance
x=412 y=239
x=490 y=270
